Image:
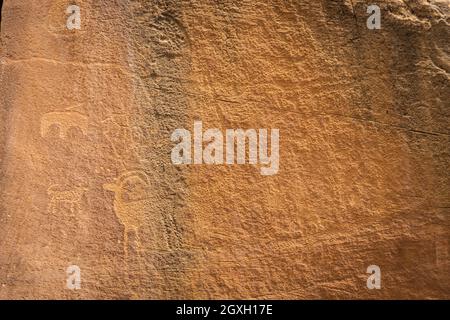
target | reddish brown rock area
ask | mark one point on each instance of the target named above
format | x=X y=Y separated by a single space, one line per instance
x=87 y=180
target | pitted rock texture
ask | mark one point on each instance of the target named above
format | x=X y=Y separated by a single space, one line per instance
x=86 y=176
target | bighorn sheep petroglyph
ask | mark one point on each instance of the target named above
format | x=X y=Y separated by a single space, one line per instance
x=133 y=207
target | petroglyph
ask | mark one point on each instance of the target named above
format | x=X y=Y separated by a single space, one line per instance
x=65 y=120
x=132 y=206
x=364 y=160
x=59 y=197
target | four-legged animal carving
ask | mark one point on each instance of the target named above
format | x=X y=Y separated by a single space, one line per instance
x=132 y=206
x=72 y=198
x=65 y=120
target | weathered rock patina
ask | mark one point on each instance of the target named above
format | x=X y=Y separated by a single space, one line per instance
x=86 y=177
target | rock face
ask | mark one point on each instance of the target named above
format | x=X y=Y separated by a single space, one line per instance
x=86 y=177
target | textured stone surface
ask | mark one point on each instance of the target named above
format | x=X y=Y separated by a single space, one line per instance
x=86 y=177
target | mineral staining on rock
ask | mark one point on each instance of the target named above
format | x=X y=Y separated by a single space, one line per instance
x=87 y=180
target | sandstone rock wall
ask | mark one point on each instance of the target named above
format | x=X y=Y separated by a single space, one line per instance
x=86 y=176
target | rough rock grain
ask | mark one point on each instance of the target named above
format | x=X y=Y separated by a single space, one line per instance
x=86 y=177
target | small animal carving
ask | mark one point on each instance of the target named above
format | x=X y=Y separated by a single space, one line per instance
x=59 y=197
x=65 y=120
x=132 y=206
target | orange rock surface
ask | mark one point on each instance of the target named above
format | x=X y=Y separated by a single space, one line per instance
x=86 y=177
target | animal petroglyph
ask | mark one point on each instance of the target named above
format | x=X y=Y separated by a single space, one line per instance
x=71 y=198
x=64 y=120
x=132 y=206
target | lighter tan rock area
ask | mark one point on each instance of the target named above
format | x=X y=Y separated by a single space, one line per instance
x=87 y=178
